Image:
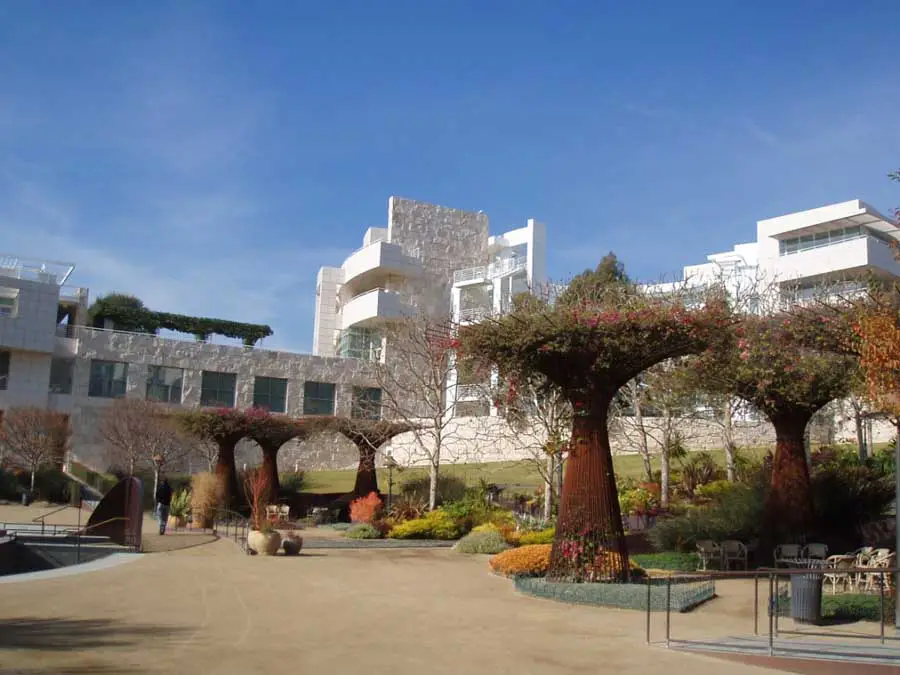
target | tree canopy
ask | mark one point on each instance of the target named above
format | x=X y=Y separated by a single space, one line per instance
x=602 y=332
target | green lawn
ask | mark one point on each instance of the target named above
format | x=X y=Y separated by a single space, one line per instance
x=519 y=476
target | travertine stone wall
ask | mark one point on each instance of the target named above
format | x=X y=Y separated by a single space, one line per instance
x=446 y=240
x=141 y=351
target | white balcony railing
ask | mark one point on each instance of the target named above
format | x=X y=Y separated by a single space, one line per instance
x=474 y=314
x=496 y=269
x=43 y=271
x=470 y=392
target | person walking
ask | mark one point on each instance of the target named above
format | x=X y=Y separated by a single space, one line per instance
x=163 y=500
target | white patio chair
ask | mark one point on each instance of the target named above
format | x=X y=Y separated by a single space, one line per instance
x=733 y=551
x=786 y=553
x=845 y=579
x=272 y=512
x=872 y=580
x=709 y=551
x=814 y=552
x=284 y=513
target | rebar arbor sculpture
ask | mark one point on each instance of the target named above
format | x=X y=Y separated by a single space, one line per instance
x=225 y=427
x=270 y=433
x=783 y=365
x=367 y=436
x=601 y=332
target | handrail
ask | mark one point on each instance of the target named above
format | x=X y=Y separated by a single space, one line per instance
x=240 y=530
x=43 y=517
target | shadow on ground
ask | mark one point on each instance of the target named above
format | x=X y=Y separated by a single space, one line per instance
x=98 y=669
x=54 y=635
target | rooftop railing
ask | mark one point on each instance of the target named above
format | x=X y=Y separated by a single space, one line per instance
x=43 y=271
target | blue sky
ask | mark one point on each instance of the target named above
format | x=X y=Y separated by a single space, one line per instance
x=210 y=156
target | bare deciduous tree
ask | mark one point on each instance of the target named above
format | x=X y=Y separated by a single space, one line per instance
x=34 y=437
x=141 y=434
x=417 y=385
x=540 y=421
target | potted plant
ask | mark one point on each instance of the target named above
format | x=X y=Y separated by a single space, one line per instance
x=262 y=538
x=179 y=508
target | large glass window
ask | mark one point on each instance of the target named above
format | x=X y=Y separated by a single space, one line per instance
x=318 y=398
x=164 y=384
x=62 y=373
x=820 y=239
x=270 y=393
x=9 y=301
x=217 y=389
x=366 y=403
x=360 y=343
x=108 y=379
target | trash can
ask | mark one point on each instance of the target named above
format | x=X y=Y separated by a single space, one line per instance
x=806 y=597
x=26 y=498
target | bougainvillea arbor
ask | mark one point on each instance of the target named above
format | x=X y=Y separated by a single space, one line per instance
x=595 y=338
x=367 y=436
x=270 y=433
x=781 y=365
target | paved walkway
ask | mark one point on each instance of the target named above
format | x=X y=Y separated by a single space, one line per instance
x=400 y=612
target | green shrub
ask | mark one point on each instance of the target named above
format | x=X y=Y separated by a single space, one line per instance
x=482 y=542
x=363 y=531
x=340 y=527
x=846 y=497
x=540 y=537
x=716 y=490
x=857 y=607
x=449 y=489
x=180 y=505
x=434 y=525
x=737 y=515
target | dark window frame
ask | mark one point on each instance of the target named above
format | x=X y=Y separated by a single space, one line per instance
x=314 y=402
x=264 y=396
x=217 y=388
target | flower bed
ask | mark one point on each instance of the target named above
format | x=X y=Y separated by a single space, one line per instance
x=685 y=596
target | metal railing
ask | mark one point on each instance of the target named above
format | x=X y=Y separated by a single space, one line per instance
x=474 y=314
x=43 y=517
x=58 y=530
x=234 y=526
x=495 y=269
x=779 y=602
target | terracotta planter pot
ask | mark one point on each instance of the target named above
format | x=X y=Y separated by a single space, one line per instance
x=292 y=543
x=264 y=543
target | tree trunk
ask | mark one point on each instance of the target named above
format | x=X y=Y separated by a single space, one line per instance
x=789 y=509
x=226 y=475
x=548 y=487
x=131 y=464
x=366 y=476
x=590 y=540
x=728 y=438
x=270 y=469
x=642 y=434
x=33 y=473
x=665 y=460
x=155 y=480
x=860 y=434
x=432 y=484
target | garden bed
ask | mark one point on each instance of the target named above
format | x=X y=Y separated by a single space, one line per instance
x=312 y=542
x=685 y=594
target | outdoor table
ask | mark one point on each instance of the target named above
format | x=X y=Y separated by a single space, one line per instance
x=806 y=591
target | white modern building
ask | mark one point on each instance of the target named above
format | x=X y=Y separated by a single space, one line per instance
x=795 y=256
x=432 y=259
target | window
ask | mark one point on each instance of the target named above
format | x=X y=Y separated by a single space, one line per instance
x=473 y=409
x=4 y=370
x=819 y=239
x=108 y=379
x=9 y=301
x=270 y=393
x=366 y=403
x=164 y=384
x=61 y=375
x=318 y=398
x=217 y=389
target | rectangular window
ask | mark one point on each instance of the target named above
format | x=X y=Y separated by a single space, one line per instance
x=108 y=379
x=270 y=393
x=217 y=389
x=366 y=403
x=9 y=301
x=62 y=373
x=4 y=370
x=164 y=384
x=318 y=398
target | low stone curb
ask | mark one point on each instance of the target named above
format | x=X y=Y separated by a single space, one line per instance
x=309 y=542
